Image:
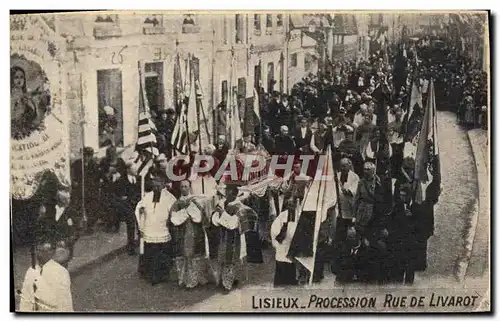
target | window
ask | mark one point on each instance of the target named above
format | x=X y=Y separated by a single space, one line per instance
x=224 y=92
x=256 y=23
x=111 y=19
x=153 y=25
x=293 y=60
x=106 y=26
x=307 y=62
x=257 y=76
x=109 y=102
x=269 y=21
x=189 y=25
x=279 y=21
x=239 y=29
x=242 y=93
x=242 y=87
x=154 y=86
x=224 y=31
x=270 y=78
x=281 y=74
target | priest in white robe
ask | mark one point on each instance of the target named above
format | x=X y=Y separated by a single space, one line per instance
x=152 y=215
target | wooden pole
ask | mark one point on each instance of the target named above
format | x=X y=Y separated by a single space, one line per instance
x=82 y=109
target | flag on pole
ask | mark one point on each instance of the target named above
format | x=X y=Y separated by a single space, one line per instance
x=180 y=134
x=191 y=115
x=186 y=124
x=427 y=163
x=146 y=136
x=234 y=123
x=256 y=105
x=319 y=198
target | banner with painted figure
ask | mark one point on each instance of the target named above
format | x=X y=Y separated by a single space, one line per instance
x=38 y=135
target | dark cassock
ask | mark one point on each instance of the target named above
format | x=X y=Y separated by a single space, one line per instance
x=58 y=225
x=350 y=259
x=128 y=191
x=395 y=138
x=109 y=202
x=267 y=141
x=377 y=263
x=282 y=231
x=404 y=227
x=152 y=213
x=221 y=150
x=239 y=240
x=369 y=194
x=274 y=108
x=302 y=138
x=86 y=177
x=284 y=143
x=284 y=147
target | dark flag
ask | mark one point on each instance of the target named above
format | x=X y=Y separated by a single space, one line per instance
x=400 y=72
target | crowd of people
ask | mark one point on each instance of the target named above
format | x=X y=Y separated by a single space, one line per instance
x=374 y=232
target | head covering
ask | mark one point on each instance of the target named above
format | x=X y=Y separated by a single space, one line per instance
x=109 y=110
x=284 y=128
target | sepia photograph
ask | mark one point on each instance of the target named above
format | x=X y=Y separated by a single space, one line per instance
x=250 y=161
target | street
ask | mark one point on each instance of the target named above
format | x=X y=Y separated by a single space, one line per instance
x=115 y=285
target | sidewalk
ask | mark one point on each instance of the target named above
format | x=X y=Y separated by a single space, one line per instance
x=479 y=258
x=89 y=250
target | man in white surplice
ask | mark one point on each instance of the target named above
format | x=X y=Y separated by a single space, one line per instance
x=152 y=215
x=47 y=287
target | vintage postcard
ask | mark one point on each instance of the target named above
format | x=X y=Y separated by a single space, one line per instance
x=277 y=161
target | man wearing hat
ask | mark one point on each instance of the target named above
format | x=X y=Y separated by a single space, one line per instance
x=85 y=177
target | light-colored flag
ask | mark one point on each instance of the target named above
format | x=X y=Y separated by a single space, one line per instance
x=320 y=197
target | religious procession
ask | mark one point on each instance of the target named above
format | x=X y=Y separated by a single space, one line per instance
x=335 y=180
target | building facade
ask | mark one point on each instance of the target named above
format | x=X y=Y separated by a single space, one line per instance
x=103 y=52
